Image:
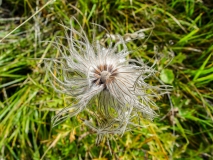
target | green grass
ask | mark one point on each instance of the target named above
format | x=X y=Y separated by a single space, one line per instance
x=28 y=102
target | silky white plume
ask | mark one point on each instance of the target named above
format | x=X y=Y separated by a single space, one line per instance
x=104 y=81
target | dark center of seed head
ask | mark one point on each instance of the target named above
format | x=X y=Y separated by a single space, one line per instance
x=104 y=76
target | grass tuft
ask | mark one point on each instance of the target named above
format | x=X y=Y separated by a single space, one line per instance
x=182 y=35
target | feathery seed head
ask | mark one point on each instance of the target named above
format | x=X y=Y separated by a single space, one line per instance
x=105 y=83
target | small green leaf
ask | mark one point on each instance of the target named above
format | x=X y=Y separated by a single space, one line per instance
x=167 y=76
x=179 y=58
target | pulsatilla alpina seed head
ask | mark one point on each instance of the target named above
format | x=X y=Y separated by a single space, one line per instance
x=110 y=87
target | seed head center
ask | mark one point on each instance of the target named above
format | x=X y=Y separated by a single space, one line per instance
x=104 y=76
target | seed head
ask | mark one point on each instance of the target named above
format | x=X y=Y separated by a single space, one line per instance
x=104 y=82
